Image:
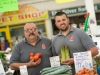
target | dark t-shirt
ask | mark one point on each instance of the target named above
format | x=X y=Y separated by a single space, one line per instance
x=22 y=50
x=77 y=41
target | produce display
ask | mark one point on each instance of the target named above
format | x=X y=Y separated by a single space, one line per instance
x=64 y=53
x=86 y=71
x=97 y=59
x=59 y=70
x=2 y=56
x=35 y=57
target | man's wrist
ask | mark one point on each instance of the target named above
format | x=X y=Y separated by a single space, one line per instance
x=28 y=64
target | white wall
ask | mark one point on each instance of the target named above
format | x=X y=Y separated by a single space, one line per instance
x=51 y=5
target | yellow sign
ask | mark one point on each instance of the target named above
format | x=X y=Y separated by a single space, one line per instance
x=8 y=5
x=63 y=1
x=22 y=18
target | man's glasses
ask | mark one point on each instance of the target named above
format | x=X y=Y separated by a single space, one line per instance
x=28 y=30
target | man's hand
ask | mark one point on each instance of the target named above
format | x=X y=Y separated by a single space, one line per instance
x=68 y=62
x=34 y=63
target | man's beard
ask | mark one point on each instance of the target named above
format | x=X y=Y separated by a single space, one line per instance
x=63 y=30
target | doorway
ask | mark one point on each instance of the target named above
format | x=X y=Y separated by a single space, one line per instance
x=4 y=36
x=2 y=39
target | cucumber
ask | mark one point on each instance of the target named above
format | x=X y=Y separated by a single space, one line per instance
x=69 y=72
x=64 y=74
x=58 y=71
x=50 y=70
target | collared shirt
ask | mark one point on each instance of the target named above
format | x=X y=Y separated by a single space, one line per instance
x=22 y=50
x=77 y=41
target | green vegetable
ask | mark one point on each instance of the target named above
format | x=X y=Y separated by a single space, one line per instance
x=60 y=70
x=64 y=53
x=67 y=54
x=64 y=74
x=2 y=56
x=97 y=59
x=50 y=70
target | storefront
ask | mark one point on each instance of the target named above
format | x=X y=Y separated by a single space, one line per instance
x=76 y=15
x=11 y=27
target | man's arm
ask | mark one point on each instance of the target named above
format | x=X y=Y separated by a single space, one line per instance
x=94 y=51
x=15 y=66
x=88 y=43
x=15 y=59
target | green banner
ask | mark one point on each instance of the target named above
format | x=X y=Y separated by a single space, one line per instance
x=75 y=10
x=8 y=5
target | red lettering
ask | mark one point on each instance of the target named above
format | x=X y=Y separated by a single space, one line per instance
x=41 y=13
x=4 y=19
x=34 y=15
x=20 y=17
x=10 y=18
x=27 y=16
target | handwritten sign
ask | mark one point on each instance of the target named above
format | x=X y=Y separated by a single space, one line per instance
x=63 y=1
x=54 y=61
x=2 y=72
x=8 y=5
x=23 y=70
x=83 y=59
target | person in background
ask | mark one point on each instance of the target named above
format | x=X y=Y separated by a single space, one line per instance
x=39 y=32
x=33 y=43
x=6 y=44
x=76 y=39
x=16 y=42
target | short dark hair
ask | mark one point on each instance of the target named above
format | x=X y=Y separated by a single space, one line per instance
x=59 y=14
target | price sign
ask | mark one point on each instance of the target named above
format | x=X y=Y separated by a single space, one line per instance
x=2 y=72
x=54 y=61
x=23 y=70
x=83 y=59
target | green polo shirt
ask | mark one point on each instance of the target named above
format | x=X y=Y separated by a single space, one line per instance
x=77 y=41
x=21 y=53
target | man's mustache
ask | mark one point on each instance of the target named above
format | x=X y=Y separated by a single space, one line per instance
x=31 y=34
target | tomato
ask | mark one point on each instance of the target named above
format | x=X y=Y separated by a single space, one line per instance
x=31 y=54
x=36 y=58
x=82 y=71
x=38 y=54
x=31 y=58
x=87 y=70
x=79 y=73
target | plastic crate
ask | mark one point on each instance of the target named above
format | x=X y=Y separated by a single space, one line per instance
x=98 y=70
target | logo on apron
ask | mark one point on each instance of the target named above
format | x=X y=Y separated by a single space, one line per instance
x=71 y=38
x=43 y=46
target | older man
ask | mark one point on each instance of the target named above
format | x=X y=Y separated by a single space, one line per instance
x=33 y=43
